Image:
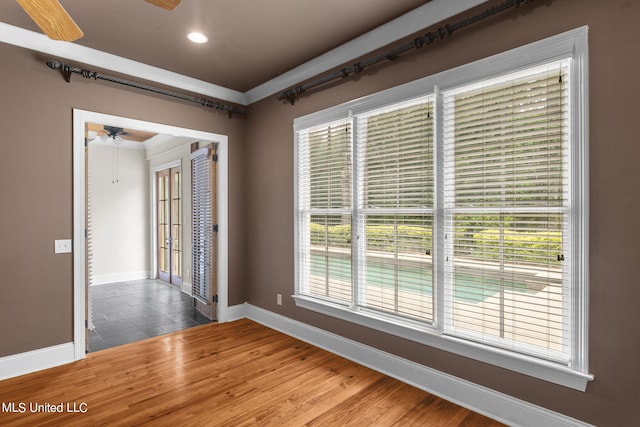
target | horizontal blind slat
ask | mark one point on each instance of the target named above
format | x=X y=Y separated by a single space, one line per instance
x=397 y=156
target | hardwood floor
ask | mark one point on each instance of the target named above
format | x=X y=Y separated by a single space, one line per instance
x=232 y=374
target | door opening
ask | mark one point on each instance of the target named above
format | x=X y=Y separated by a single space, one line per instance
x=81 y=232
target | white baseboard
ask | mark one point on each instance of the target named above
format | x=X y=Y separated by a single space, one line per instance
x=499 y=406
x=36 y=360
x=237 y=312
x=186 y=288
x=104 y=279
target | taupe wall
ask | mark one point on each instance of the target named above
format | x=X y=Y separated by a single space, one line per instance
x=36 y=205
x=614 y=397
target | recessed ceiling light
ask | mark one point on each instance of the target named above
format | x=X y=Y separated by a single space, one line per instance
x=197 y=37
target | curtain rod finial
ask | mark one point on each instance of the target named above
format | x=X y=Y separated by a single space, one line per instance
x=64 y=69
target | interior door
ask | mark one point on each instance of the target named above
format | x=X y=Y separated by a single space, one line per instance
x=169 y=185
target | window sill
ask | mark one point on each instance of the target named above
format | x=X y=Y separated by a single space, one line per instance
x=527 y=365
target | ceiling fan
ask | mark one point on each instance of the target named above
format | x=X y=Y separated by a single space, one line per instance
x=57 y=24
x=105 y=132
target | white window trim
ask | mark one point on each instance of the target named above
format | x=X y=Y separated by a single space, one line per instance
x=569 y=44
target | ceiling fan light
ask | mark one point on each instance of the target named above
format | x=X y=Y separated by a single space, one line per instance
x=197 y=37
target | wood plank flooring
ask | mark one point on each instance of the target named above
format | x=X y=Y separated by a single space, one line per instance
x=232 y=374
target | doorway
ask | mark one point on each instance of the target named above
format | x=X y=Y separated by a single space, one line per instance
x=169 y=225
x=80 y=120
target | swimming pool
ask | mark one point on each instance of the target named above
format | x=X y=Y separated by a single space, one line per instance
x=471 y=288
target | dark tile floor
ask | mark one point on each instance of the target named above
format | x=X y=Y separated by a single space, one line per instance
x=131 y=311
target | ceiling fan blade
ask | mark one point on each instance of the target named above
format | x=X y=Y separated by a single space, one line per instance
x=52 y=19
x=165 y=4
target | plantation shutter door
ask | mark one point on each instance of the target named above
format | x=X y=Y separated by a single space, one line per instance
x=202 y=225
x=396 y=183
x=325 y=210
x=506 y=209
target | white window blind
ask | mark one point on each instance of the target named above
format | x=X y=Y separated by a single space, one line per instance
x=395 y=210
x=393 y=215
x=452 y=211
x=325 y=181
x=202 y=224
x=504 y=223
x=506 y=192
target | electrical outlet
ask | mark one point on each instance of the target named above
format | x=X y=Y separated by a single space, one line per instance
x=62 y=246
x=279 y=299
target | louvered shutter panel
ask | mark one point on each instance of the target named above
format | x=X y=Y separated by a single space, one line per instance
x=506 y=178
x=202 y=224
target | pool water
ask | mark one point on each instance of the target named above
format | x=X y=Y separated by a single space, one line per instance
x=467 y=288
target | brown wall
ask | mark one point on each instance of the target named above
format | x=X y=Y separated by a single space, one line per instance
x=614 y=351
x=36 y=204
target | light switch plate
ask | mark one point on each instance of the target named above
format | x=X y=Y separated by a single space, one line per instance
x=62 y=246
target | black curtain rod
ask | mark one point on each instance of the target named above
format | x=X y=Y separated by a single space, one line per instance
x=292 y=94
x=67 y=69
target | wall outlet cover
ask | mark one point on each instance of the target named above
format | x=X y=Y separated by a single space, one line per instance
x=63 y=246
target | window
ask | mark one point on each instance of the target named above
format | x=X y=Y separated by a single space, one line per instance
x=452 y=210
x=395 y=209
x=506 y=211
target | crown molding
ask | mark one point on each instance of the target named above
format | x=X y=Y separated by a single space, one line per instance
x=39 y=42
x=410 y=23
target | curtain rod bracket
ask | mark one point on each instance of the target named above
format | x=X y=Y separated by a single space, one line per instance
x=292 y=94
x=292 y=98
x=66 y=73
